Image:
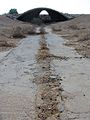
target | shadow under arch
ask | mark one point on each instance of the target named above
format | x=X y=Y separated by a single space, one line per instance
x=33 y=16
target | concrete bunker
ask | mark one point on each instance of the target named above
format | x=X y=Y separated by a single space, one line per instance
x=34 y=16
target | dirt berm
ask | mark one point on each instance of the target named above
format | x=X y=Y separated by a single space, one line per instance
x=77 y=32
x=11 y=31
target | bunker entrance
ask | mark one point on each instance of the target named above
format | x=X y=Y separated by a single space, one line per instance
x=42 y=16
x=45 y=17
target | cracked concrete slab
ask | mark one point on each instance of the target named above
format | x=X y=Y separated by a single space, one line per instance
x=37 y=82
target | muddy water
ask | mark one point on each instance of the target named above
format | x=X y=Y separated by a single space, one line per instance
x=42 y=79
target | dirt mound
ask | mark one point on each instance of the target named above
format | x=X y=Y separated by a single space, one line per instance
x=77 y=31
x=11 y=31
x=5 y=20
x=82 y=22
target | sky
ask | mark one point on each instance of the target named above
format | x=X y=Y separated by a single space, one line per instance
x=65 y=6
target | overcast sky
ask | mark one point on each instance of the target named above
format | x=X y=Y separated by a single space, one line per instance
x=66 y=6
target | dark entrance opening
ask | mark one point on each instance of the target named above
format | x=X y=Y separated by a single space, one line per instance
x=45 y=17
x=42 y=16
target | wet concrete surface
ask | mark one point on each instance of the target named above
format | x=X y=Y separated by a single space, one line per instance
x=42 y=79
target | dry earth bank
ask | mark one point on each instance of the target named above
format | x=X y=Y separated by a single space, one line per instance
x=11 y=31
x=77 y=31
